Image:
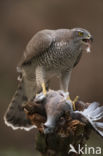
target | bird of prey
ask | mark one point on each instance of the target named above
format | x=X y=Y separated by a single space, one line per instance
x=49 y=53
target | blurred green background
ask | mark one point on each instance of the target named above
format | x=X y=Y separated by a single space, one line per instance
x=19 y=21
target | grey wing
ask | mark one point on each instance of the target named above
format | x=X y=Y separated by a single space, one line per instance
x=37 y=45
x=78 y=59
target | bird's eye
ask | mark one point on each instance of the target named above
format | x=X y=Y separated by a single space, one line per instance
x=80 y=33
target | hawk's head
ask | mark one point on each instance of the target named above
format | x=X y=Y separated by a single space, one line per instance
x=82 y=37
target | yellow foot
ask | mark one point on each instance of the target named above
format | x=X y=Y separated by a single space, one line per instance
x=42 y=95
x=73 y=102
x=44 y=89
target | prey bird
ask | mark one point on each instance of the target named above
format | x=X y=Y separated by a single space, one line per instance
x=49 y=53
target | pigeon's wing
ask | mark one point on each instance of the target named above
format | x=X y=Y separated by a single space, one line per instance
x=39 y=43
x=78 y=59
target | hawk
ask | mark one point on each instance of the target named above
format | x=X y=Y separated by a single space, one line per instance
x=49 y=53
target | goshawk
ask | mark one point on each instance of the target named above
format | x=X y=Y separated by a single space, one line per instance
x=49 y=53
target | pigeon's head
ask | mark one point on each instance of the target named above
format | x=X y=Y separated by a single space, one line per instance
x=83 y=38
x=49 y=125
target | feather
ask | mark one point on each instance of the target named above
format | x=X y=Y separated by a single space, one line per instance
x=94 y=113
x=15 y=116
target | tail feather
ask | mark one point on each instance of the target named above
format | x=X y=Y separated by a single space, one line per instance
x=15 y=116
x=94 y=114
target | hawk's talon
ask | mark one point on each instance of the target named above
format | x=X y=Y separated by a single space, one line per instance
x=73 y=102
x=40 y=97
x=44 y=89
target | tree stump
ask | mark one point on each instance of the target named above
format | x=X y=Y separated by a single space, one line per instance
x=68 y=129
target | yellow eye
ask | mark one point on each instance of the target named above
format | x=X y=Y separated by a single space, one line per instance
x=80 y=33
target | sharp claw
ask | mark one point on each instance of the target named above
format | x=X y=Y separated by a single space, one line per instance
x=41 y=96
x=74 y=101
x=73 y=106
x=44 y=89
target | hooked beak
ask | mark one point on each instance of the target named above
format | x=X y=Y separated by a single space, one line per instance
x=87 y=41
